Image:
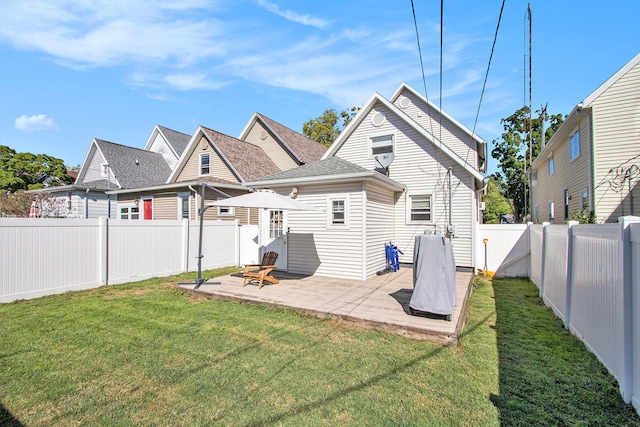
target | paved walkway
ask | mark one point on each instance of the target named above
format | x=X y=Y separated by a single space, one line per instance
x=381 y=302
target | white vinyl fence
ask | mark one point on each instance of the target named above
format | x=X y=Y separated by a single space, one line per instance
x=589 y=275
x=47 y=256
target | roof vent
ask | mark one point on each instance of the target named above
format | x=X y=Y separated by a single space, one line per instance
x=405 y=102
x=263 y=134
x=378 y=119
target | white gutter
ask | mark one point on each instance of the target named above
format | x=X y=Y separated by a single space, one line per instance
x=327 y=179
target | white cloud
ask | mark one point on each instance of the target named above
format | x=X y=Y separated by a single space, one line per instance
x=293 y=16
x=35 y=123
x=177 y=81
x=100 y=33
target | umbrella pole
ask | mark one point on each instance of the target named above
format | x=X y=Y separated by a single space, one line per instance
x=201 y=211
x=199 y=281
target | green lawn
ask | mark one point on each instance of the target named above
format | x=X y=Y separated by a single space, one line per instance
x=148 y=354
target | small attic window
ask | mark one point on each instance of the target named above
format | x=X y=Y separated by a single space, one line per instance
x=381 y=145
x=204 y=164
x=104 y=169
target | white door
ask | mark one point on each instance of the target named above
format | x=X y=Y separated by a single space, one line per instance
x=274 y=235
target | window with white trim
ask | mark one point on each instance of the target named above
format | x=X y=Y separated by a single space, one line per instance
x=552 y=209
x=338 y=211
x=183 y=205
x=575 y=145
x=204 y=163
x=419 y=208
x=129 y=212
x=104 y=170
x=226 y=210
x=381 y=145
x=276 y=223
x=551 y=165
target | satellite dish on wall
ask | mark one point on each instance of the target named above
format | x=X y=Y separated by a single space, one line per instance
x=384 y=160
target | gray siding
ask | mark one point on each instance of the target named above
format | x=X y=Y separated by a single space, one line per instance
x=94 y=171
x=315 y=247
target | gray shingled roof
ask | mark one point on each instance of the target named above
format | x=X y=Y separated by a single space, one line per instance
x=304 y=148
x=178 y=140
x=327 y=167
x=150 y=168
x=249 y=160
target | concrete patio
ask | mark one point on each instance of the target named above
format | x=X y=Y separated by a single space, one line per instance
x=381 y=302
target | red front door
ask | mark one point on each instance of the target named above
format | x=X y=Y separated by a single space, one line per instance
x=148 y=209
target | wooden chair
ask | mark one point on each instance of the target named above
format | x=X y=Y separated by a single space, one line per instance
x=260 y=272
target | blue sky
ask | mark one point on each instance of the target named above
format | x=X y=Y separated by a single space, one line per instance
x=112 y=69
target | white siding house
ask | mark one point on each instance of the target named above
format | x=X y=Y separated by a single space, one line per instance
x=427 y=187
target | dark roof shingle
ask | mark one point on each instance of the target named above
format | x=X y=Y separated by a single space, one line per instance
x=306 y=149
x=134 y=167
x=178 y=140
x=249 y=160
x=327 y=167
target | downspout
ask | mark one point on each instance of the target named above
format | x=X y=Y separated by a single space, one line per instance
x=450 y=228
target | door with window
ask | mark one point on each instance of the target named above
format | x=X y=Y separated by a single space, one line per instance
x=274 y=235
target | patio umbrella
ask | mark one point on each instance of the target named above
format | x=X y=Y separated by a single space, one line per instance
x=266 y=199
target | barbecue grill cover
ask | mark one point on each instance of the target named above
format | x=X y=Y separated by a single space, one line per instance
x=434 y=275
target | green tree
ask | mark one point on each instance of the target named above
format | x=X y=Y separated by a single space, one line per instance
x=495 y=202
x=326 y=127
x=26 y=171
x=512 y=153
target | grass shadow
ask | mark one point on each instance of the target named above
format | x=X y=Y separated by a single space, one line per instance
x=7 y=419
x=546 y=374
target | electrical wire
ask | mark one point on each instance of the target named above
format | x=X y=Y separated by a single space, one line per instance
x=486 y=77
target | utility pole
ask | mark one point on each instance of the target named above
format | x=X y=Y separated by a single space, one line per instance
x=528 y=169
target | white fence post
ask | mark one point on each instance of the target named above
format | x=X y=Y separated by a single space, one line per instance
x=635 y=327
x=626 y=386
x=544 y=251
x=570 y=265
x=103 y=229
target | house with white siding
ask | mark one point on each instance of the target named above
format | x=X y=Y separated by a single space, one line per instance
x=400 y=168
x=592 y=162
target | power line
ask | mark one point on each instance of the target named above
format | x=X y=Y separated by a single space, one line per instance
x=424 y=81
x=486 y=77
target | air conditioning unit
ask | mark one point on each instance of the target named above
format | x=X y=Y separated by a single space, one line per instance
x=482 y=206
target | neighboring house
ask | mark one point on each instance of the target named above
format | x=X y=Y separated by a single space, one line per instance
x=287 y=148
x=221 y=164
x=168 y=142
x=388 y=177
x=592 y=162
x=107 y=166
